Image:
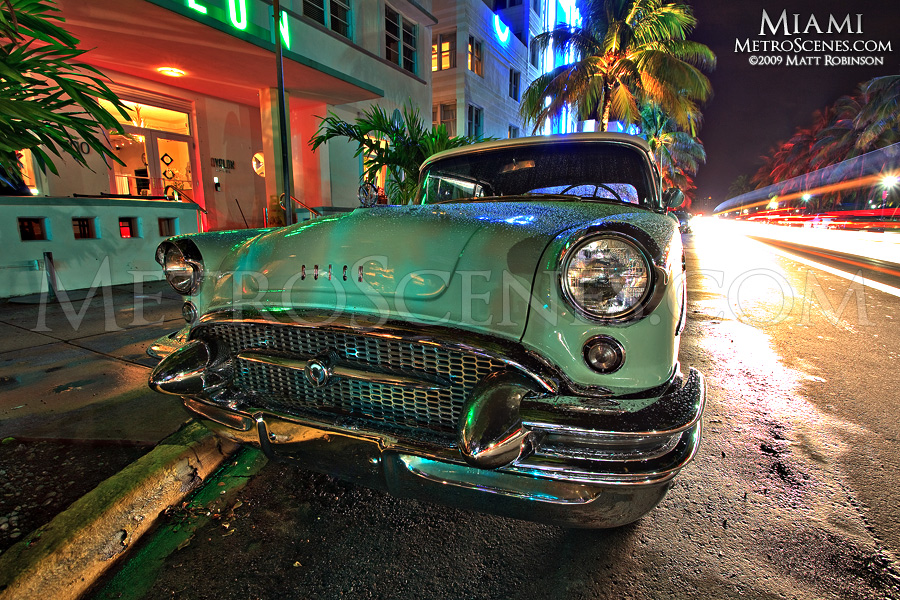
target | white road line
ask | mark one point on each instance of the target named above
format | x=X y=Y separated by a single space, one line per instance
x=883 y=287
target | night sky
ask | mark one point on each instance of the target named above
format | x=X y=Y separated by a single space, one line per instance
x=754 y=107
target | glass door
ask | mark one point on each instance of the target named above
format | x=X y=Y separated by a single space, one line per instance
x=174 y=162
x=156 y=151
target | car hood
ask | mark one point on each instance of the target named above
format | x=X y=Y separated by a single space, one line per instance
x=469 y=265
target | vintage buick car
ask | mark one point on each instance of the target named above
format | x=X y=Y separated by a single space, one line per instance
x=507 y=344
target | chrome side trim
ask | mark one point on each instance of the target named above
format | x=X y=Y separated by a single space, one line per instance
x=338 y=370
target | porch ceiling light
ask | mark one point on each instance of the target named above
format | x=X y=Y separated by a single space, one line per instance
x=171 y=71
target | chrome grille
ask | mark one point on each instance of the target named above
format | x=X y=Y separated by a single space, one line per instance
x=287 y=390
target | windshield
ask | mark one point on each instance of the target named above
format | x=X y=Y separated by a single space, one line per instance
x=588 y=171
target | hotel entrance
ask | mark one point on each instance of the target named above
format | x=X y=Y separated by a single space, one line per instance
x=156 y=150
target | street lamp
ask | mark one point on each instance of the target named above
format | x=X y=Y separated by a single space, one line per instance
x=888 y=182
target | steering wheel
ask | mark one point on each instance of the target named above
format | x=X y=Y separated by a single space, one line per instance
x=597 y=187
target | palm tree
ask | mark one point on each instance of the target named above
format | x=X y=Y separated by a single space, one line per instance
x=740 y=186
x=628 y=53
x=878 y=123
x=399 y=144
x=678 y=154
x=48 y=98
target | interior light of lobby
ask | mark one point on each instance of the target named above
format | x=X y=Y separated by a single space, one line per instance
x=171 y=71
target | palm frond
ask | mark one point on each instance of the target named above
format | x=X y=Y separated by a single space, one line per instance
x=48 y=96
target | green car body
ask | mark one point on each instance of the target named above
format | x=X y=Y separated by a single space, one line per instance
x=435 y=350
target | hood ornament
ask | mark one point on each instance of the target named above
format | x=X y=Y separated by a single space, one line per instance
x=368 y=194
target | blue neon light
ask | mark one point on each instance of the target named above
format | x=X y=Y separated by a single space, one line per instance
x=501 y=29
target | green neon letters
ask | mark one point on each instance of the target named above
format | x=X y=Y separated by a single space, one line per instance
x=198 y=7
x=239 y=17
x=240 y=23
x=285 y=31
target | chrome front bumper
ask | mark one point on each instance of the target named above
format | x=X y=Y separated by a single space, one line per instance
x=543 y=486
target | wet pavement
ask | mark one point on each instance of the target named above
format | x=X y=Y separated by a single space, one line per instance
x=74 y=403
x=792 y=494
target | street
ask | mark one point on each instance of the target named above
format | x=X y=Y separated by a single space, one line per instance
x=792 y=495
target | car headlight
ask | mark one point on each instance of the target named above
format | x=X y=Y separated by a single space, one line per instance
x=183 y=271
x=606 y=277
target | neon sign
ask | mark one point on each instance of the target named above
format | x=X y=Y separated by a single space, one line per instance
x=501 y=29
x=243 y=17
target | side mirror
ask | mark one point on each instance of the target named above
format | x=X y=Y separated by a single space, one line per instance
x=673 y=198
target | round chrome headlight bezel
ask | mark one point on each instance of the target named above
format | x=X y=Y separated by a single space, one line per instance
x=637 y=306
x=181 y=265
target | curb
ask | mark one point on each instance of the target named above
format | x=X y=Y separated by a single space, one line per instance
x=62 y=559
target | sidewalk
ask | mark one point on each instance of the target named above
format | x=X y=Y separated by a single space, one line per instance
x=75 y=410
x=77 y=370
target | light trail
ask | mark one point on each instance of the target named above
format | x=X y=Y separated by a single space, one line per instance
x=882 y=287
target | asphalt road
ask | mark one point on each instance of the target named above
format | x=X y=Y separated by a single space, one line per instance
x=793 y=493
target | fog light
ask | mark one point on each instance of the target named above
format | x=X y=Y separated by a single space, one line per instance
x=189 y=312
x=604 y=354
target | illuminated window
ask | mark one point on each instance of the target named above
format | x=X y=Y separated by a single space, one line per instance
x=334 y=14
x=443 y=51
x=128 y=227
x=399 y=40
x=474 y=124
x=513 y=132
x=476 y=57
x=84 y=228
x=146 y=116
x=33 y=229
x=155 y=151
x=168 y=226
x=444 y=114
x=514 y=79
x=29 y=175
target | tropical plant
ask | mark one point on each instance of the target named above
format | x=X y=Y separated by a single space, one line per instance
x=400 y=145
x=855 y=124
x=48 y=97
x=627 y=53
x=678 y=153
x=878 y=123
x=741 y=185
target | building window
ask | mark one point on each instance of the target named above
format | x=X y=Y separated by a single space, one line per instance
x=155 y=149
x=336 y=17
x=514 y=79
x=399 y=40
x=443 y=51
x=168 y=226
x=501 y=4
x=84 y=228
x=536 y=6
x=444 y=114
x=28 y=172
x=535 y=56
x=33 y=229
x=513 y=132
x=475 y=122
x=128 y=227
x=476 y=57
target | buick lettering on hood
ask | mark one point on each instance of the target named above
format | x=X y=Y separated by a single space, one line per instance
x=508 y=343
